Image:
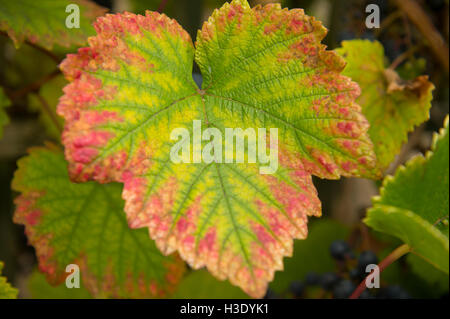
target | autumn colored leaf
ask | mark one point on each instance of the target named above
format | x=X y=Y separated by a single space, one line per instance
x=262 y=68
x=4 y=102
x=43 y=22
x=6 y=291
x=84 y=224
x=414 y=204
x=392 y=106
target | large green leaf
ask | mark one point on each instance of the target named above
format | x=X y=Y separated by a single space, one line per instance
x=6 y=291
x=84 y=224
x=391 y=105
x=4 y=102
x=43 y=22
x=414 y=204
x=262 y=68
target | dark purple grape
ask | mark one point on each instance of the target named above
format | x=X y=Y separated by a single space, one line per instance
x=343 y=289
x=297 y=288
x=366 y=258
x=311 y=278
x=328 y=280
x=339 y=249
x=355 y=274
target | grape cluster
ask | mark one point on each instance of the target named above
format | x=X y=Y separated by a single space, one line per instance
x=351 y=270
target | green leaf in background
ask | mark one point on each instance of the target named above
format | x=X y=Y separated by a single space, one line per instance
x=437 y=280
x=311 y=254
x=19 y=67
x=4 y=102
x=391 y=105
x=43 y=22
x=201 y=285
x=6 y=290
x=262 y=68
x=45 y=102
x=39 y=288
x=414 y=204
x=85 y=224
x=139 y=6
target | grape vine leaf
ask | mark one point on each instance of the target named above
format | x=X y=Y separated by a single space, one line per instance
x=413 y=204
x=4 y=102
x=392 y=106
x=6 y=290
x=43 y=22
x=262 y=68
x=84 y=224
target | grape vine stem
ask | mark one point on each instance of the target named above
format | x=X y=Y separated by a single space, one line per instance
x=393 y=256
x=48 y=53
x=423 y=23
x=35 y=86
x=50 y=113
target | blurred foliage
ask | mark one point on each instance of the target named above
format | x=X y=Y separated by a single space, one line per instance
x=4 y=103
x=6 y=291
x=39 y=288
x=202 y=285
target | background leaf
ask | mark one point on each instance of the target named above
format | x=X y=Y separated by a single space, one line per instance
x=391 y=105
x=413 y=205
x=438 y=281
x=85 y=224
x=43 y=22
x=201 y=285
x=41 y=289
x=6 y=291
